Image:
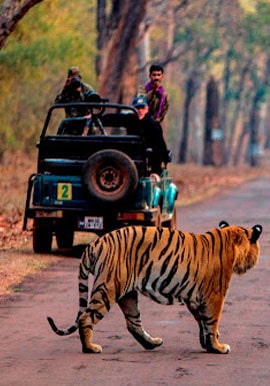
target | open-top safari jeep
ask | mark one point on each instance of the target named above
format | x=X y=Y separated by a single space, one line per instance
x=93 y=183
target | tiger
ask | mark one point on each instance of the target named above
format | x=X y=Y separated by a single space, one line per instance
x=168 y=266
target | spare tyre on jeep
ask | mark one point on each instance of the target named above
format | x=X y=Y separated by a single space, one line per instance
x=110 y=175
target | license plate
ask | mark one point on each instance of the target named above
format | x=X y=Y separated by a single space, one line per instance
x=91 y=222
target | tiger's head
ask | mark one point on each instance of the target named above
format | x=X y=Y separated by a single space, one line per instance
x=245 y=245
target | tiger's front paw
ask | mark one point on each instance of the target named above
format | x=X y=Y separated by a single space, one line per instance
x=225 y=348
x=212 y=344
x=220 y=348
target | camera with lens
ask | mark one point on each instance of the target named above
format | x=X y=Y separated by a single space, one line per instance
x=92 y=96
x=74 y=84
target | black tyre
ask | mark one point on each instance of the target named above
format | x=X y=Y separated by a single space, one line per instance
x=172 y=222
x=64 y=233
x=110 y=175
x=157 y=221
x=42 y=236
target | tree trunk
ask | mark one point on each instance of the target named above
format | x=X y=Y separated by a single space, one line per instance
x=191 y=87
x=254 y=145
x=143 y=53
x=12 y=12
x=213 y=139
x=235 y=115
x=239 y=145
x=117 y=44
x=226 y=93
x=267 y=127
x=260 y=92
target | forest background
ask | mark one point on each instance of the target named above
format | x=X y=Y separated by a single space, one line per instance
x=216 y=56
x=114 y=42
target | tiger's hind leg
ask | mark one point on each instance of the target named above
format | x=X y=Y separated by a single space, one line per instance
x=129 y=306
x=99 y=304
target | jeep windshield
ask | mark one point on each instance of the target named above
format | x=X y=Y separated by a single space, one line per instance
x=100 y=118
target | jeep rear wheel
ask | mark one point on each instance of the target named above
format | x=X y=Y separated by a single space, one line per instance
x=64 y=233
x=42 y=236
x=110 y=175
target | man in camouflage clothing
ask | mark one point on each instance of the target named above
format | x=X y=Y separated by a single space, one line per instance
x=74 y=90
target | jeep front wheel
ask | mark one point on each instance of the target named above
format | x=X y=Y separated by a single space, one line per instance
x=110 y=175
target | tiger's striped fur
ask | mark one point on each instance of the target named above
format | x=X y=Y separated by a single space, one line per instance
x=169 y=266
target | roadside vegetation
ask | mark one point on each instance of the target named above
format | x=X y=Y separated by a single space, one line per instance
x=17 y=259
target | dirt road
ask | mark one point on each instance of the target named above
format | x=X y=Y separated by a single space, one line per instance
x=31 y=355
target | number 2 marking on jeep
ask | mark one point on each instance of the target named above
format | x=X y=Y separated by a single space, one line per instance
x=64 y=191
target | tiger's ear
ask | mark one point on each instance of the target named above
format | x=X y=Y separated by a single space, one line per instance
x=223 y=224
x=257 y=230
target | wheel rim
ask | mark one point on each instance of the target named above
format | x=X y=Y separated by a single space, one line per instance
x=109 y=179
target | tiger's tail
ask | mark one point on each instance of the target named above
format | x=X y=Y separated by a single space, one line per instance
x=84 y=270
x=68 y=331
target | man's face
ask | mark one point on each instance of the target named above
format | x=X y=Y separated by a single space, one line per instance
x=156 y=78
x=142 y=111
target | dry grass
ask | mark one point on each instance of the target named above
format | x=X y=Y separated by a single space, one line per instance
x=14 y=267
x=196 y=182
x=16 y=257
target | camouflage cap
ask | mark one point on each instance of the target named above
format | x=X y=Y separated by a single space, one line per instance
x=74 y=72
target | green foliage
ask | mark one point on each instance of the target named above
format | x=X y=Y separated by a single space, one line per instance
x=256 y=26
x=34 y=64
x=208 y=38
